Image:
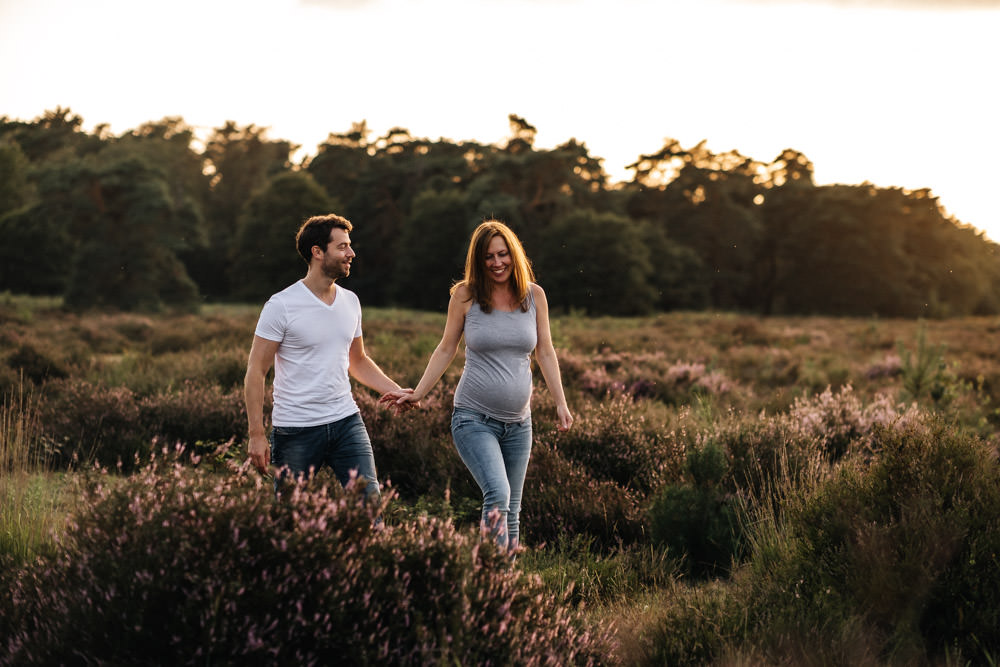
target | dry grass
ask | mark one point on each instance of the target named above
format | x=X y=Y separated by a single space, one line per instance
x=31 y=495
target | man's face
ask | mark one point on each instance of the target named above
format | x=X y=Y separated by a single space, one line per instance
x=338 y=255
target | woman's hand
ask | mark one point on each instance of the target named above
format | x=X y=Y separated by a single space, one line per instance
x=399 y=400
x=564 y=418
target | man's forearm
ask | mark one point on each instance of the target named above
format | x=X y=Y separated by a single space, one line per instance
x=368 y=373
x=253 y=395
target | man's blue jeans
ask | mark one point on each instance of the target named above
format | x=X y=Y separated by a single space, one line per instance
x=496 y=454
x=343 y=445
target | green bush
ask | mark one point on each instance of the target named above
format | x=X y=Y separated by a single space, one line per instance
x=561 y=496
x=34 y=365
x=599 y=576
x=415 y=451
x=226 y=368
x=696 y=518
x=693 y=626
x=208 y=569
x=904 y=546
x=767 y=456
x=613 y=443
x=195 y=414
x=81 y=421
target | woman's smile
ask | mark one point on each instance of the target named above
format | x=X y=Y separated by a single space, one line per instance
x=498 y=259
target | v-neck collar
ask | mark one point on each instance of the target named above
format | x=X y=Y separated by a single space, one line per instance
x=336 y=294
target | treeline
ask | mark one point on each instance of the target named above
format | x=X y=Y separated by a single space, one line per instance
x=155 y=218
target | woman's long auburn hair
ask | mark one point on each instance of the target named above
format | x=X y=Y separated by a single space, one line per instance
x=475 y=265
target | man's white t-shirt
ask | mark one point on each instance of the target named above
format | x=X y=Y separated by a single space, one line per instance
x=311 y=382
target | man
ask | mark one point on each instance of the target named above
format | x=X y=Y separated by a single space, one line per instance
x=311 y=333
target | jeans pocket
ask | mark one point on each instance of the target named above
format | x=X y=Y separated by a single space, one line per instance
x=289 y=430
x=460 y=418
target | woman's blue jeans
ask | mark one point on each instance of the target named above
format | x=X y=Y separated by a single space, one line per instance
x=496 y=454
x=343 y=445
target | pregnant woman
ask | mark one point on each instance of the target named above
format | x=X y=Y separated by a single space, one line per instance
x=504 y=317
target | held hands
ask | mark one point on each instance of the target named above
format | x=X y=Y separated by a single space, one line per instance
x=399 y=400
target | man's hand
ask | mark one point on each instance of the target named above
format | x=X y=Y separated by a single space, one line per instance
x=260 y=452
x=399 y=400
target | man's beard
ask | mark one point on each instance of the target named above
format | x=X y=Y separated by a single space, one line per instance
x=337 y=270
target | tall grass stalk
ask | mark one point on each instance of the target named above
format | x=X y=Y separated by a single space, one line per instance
x=601 y=579
x=29 y=490
x=762 y=509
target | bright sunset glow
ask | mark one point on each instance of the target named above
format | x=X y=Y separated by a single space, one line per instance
x=894 y=93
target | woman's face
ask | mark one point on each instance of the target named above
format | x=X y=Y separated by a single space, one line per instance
x=498 y=261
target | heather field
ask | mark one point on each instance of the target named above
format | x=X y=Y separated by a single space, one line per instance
x=737 y=490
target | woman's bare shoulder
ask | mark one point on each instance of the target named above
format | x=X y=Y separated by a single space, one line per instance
x=461 y=296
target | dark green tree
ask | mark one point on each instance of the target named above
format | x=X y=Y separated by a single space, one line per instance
x=35 y=246
x=56 y=135
x=168 y=144
x=545 y=183
x=15 y=188
x=708 y=203
x=596 y=262
x=341 y=161
x=265 y=259
x=432 y=248
x=786 y=207
x=240 y=161
x=716 y=230
x=35 y=251
x=400 y=168
x=678 y=277
x=125 y=231
x=862 y=250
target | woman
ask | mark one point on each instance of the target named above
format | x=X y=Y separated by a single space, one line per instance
x=504 y=316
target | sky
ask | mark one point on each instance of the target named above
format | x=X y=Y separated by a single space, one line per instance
x=898 y=93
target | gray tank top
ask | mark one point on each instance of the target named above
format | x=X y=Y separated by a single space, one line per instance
x=496 y=379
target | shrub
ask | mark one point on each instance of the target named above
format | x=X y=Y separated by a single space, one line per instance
x=84 y=421
x=842 y=420
x=613 y=443
x=208 y=569
x=176 y=338
x=135 y=328
x=415 y=451
x=561 y=496
x=599 y=575
x=692 y=626
x=35 y=365
x=226 y=368
x=904 y=546
x=647 y=375
x=696 y=518
x=195 y=414
x=146 y=374
x=766 y=455
x=891 y=366
x=923 y=372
